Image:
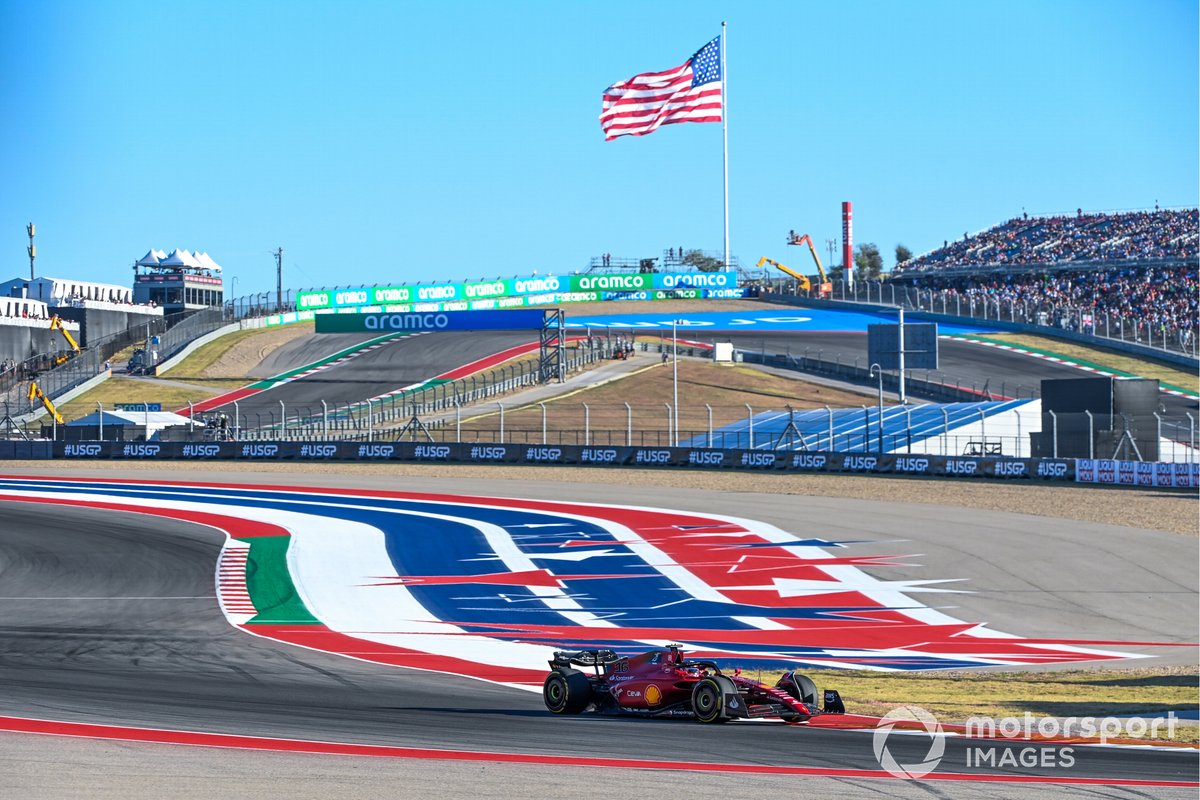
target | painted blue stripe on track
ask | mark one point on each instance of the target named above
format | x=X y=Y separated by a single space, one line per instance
x=797 y=320
x=423 y=546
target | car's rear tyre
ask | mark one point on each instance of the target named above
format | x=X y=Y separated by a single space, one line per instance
x=566 y=692
x=708 y=702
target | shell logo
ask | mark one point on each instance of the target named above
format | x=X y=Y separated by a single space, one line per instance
x=653 y=695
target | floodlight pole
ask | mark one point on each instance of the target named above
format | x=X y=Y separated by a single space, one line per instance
x=31 y=229
x=675 y=383
x=279 y=280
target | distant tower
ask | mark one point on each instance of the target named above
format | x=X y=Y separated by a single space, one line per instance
x=848 y=241
x=279 y=280
x=31 y=230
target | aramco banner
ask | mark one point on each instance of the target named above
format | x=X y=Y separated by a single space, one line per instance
x=522 y=320
x=512 y=287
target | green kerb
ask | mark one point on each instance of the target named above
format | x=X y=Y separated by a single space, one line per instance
x=270 y=584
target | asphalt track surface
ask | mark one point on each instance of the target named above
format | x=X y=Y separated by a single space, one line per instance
x=110 y=618
x=397 y=364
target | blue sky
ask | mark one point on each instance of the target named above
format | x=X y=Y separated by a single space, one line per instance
x=385 y=142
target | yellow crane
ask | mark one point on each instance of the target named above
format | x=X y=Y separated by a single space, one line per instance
x=56 y=324
x=803 y=281
x=35 y=393
x=796 y=239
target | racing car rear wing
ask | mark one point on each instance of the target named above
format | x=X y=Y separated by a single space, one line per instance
x=584 y=658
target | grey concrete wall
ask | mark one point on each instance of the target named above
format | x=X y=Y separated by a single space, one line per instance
x=20 y=342
x=96 y=324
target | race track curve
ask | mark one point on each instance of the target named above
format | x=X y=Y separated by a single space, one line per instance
x=110 y=617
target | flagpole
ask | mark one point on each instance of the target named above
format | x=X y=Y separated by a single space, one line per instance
x=725 y=139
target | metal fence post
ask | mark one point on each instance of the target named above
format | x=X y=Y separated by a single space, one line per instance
x=1191 y=437
x=1091 y=436
x=370 y=421
x=670 y=422
x=237 y=425
x=628 y=425
x=501 y=421
x=100 y=408
x=710 y=438
x=908 y=429
x=458 y=423
x=324 y=420
x=1054 y=433
x=587 y=425
x=543 y=405
x=750 y=423
x=829 y=413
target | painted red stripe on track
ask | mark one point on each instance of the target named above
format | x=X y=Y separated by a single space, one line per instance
x=493 y=360
x=219 y=400
x=195 y=738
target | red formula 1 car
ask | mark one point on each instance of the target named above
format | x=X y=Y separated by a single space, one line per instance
x=663 y=683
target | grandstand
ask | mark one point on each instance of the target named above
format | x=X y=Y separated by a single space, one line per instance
x=1093 y=239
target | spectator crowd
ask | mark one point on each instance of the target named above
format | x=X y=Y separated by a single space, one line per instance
x=1141 y=235
x=1152 y=299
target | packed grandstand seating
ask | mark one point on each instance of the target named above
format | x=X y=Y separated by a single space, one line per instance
x=1141 y=235
x=1156 y=297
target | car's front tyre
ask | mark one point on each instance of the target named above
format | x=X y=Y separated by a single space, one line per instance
x=708 y=701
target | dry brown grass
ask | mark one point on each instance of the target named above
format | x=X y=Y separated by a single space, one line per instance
x=727 y=388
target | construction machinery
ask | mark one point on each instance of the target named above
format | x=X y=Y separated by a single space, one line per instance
x=803 y=281
x=35 y=393
x=826 y=286
x=56 y=324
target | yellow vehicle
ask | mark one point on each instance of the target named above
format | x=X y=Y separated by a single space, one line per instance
x=36 y=393
x=803 y=281
x=793 y=238
x=56 y=324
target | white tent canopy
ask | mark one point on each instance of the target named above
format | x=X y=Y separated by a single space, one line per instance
x=207 y=263
x=152 y=258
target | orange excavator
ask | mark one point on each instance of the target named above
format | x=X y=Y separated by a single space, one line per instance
x=826 y=286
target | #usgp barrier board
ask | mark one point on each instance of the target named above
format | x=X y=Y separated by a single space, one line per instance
x=576 y=455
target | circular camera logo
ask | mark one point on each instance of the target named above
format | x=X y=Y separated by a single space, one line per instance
x=920 y=724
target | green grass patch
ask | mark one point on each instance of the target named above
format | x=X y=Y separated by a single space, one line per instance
x=206 y=355
x=129 y=390
x=957 y=696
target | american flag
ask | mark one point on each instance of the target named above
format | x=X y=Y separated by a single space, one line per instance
x=688 y=93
